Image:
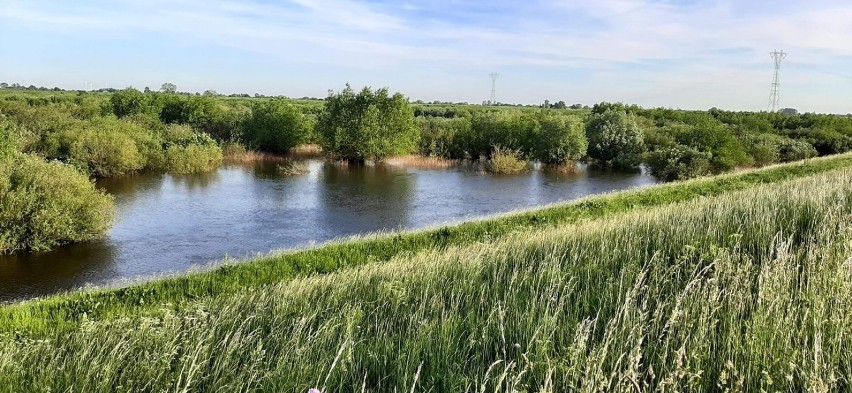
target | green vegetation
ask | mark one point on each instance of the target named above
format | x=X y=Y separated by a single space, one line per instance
x=126 y=131
x=615 y=140
x=506 y=162
x=67 y=311
x=275 y=126
x=46 y=204
x=738 y=290
x=366 y=126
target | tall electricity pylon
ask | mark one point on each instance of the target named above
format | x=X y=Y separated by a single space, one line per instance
x=494 y=77
x=776 y=83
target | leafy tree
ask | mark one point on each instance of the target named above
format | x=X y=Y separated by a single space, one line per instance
x=168 y=88
x=370 y=125
x=615 y=140
x=275 y=126
x=559 y=139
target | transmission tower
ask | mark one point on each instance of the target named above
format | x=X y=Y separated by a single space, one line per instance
x=776 y=83
x=494 y=77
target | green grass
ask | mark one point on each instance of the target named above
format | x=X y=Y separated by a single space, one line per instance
x=65 y=311
x=745 y=291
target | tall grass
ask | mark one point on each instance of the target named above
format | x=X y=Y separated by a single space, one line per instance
x=746 y=291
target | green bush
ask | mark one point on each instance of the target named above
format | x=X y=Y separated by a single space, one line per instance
x=275 y=126
x=188 y=151
x=506 y=161
x=103 y=153
x=439 y=136
x=679 y=162
x=793 y=150
x=127 y=102
x=559 y=139
x=44 y=205
x=8 y=140
x=712 y=136
x=367 y=126
x=615 y=140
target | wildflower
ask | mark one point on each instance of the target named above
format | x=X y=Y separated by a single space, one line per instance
x=314 y=390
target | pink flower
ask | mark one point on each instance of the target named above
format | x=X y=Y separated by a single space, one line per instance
x=314 y=390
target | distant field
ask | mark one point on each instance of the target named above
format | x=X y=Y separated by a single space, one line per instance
x=739 y=281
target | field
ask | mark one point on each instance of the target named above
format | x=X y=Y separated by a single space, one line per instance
x=737 y=282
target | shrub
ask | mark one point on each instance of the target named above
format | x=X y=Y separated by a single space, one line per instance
x=825 y=141
x=104 y=153
x=506 y=161
x=440 y=137
x=712 y=136
x=559 y=139
x=275 y=126
x=179 y=109
x=8 y=140
x=793 y=150
x=189 y=151
x=367 y=126
x=44 y=205
x=614 y=139
x=127 y=102
x=679 y=162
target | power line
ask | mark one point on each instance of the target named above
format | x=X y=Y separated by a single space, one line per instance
x=777 y=57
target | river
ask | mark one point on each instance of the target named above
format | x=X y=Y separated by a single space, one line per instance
x=168 y=224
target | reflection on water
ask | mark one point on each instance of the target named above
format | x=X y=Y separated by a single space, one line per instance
x=168 y=223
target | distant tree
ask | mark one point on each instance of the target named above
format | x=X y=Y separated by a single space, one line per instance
x=370 y=125
x=576 y=106
x=168 y=88
x=147 y=90
x=210 y=93
x=615 y=140
x=4 y=85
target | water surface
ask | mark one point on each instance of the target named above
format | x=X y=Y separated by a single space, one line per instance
x=170 y=223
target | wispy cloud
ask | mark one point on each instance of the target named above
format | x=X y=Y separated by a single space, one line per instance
x=690 y=53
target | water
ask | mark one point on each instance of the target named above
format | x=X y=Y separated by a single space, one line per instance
x=170 y=223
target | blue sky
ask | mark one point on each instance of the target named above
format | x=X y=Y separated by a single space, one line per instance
x=676 y=53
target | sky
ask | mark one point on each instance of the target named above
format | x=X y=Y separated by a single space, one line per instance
x=690 y=54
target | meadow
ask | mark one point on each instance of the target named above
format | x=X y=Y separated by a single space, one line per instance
x=733 y=283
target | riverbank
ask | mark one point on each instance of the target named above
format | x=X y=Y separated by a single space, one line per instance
x=65 y=311
x=689 y=286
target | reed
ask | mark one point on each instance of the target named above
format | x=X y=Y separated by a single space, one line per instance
x=423 y=162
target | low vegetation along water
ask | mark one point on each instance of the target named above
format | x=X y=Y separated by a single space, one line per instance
x=169 y=223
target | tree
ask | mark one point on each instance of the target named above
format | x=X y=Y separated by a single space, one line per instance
x=4 y=85
x=370 y=125
x=168 y=88
x=615 y=140
x=275 y=126
x=559 y=139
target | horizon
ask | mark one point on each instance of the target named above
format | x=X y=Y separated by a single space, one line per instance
x=683 y=54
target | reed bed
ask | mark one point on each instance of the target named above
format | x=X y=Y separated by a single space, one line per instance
x=422 y=162
x=744 y=291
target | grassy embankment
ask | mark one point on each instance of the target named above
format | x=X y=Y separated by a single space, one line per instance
x=65 y=311
x=744 y=290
